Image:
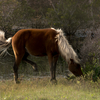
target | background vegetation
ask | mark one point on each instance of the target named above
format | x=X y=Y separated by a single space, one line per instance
x=79 y=19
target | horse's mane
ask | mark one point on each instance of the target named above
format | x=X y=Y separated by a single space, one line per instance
x=65 y=48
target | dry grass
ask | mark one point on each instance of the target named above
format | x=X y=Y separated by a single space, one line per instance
x=43 y=89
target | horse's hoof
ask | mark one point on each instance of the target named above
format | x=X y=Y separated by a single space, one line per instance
x=53 y=81
x=17 y=82
x=35 y=68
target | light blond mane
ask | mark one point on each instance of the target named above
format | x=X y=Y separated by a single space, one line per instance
x=65 y=48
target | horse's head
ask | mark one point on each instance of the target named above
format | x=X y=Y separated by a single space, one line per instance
x=75 y=68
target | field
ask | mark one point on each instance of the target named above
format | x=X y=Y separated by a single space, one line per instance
x=42 y=89
x=39 y=87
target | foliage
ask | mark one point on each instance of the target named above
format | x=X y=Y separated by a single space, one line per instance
x=6 y=9
x=92 y=71
x=96 y=12
x=13 y=13
x=69 y=15
x=23 y=14
x=90 y=54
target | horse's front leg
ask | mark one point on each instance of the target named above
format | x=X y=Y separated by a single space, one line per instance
x=52 y=62
x=55 y=58
x=50 y=59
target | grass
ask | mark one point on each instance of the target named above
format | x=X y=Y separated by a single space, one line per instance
x=32 y=88
x=43 y=89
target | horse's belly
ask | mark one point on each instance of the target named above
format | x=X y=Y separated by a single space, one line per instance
x=36 y=50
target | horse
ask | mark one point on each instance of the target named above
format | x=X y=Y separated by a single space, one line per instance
x=41 y=42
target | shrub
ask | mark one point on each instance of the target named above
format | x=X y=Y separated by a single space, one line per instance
x=90 y=54
x=92 y=71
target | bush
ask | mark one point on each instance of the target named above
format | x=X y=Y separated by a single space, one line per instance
x=90 y=54
x=92 y=71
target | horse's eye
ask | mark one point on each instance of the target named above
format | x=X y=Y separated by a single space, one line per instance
x=78 y=66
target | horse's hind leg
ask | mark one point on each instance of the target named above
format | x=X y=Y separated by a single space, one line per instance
x=15 y=68
x=18 y=59
x=34 y=65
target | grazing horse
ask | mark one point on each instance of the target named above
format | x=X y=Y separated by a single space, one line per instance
x=41 y=42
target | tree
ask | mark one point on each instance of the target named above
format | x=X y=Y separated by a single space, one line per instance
x=95 y=6
x=6 y=9
x=69 y=15
x=23 y=14
x=13 y=13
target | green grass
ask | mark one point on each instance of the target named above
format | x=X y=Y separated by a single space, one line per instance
x=43 y=89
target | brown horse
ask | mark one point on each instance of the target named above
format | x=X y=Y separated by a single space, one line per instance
x=41 y=42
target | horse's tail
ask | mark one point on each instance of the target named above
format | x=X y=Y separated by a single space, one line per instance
x=65 y=48
x=4 y=43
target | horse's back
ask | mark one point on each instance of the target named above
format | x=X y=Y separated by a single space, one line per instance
x=37 y=42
